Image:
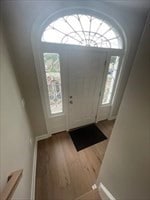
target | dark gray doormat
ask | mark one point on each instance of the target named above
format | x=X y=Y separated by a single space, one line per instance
x=86 y=136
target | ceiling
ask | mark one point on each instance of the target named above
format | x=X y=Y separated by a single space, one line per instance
x=143 y=5
x=136 y=4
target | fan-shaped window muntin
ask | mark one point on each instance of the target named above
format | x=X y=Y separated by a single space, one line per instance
x=83 y=30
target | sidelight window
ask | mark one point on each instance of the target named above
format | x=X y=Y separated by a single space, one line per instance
x=53 y=79
x=111 y=79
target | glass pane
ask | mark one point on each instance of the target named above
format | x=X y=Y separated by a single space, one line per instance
x=53 y=78
x=84 y=30
x=110 y=80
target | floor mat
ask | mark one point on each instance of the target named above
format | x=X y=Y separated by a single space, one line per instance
x=86 y=136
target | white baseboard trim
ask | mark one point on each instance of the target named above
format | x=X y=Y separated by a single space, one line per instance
x=34 y=171
x=104 y=193
x=42 y=137
x=38 y=138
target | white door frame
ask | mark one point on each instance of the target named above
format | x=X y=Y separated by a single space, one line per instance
x=58 y=48
x=116 y=84
x=41 y=23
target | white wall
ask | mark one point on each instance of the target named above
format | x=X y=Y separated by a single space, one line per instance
x=125 y=170
x=16 y=139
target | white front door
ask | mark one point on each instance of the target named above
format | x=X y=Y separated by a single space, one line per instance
x=80 y=71
x=86 y=69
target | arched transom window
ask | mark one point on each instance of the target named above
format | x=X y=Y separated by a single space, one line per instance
x=84 y=30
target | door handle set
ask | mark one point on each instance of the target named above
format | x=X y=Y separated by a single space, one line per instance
x=70 y=101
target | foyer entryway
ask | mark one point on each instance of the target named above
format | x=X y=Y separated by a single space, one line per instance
x=78 y=66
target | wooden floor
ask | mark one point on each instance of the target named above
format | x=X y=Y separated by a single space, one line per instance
x=65 y=174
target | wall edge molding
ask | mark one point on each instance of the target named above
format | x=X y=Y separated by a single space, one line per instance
x=104 y=193
x=34 y=171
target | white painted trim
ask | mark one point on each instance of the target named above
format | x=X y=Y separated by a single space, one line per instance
x=105 y=110
x=105 y=194
x=34 y=171
x=42 y=137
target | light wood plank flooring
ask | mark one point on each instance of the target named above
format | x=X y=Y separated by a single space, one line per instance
x=62 y=172
x=91 y=195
